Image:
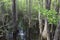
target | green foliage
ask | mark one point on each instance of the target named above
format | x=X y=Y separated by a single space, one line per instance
x=51 y=15
x=7 y=4
x=44 y=11
x=21 y=6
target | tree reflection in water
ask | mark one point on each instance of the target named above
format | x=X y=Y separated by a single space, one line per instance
x=21 y=35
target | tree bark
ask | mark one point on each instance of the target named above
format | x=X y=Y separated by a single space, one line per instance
x=44 y=34
x=48 y=3
x=14 y=20
x=40 y=21
x=27 y=11
x=57 y=32
x=30 y=12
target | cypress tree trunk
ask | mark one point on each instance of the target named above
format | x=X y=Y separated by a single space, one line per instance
x=14 y=20
x=30 y=12
x=44 y=34
x=57 y=32
x=40 y=21
x=48 y=2
x=27 y=11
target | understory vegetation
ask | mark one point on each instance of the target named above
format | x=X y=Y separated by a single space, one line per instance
x=29 y=19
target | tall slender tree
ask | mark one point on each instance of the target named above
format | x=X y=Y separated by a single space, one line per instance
x=40 y=20
x=46 y=33
x=57 y=32
x=27 y=11
x=14 y=20
x=48 y=3
x=30 y=12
